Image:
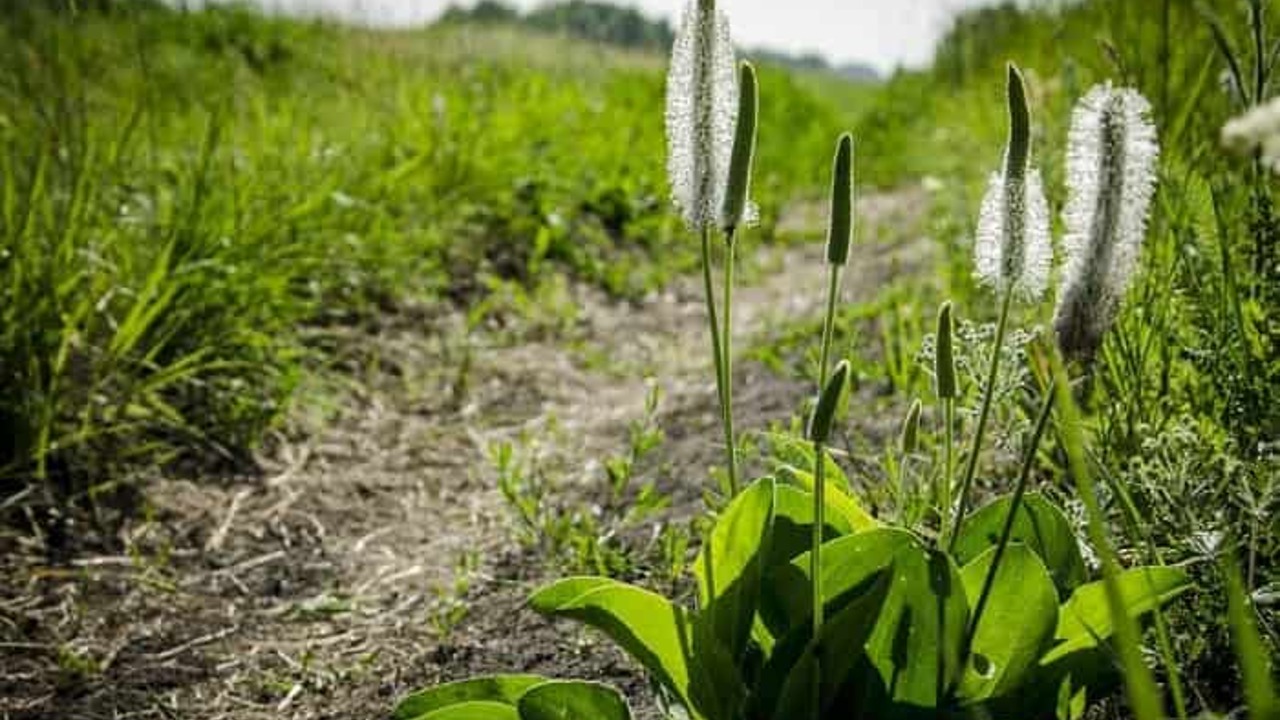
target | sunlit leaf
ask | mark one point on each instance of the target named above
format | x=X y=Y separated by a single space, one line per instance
x=1018 y=621
x=728 y=568
x=573 y=700
x=502 y=689
x=1039 y=525
x=647 y=626
x=1085 y=621
x=840 y=502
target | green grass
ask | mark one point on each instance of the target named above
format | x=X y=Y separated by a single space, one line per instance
x=184 y=199
x=1183 y=406
x=181 y=194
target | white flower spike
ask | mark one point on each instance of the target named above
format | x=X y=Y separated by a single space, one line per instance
x=1012 y=249
x=701 y=116
x=1256 y=130
x=1111 y=179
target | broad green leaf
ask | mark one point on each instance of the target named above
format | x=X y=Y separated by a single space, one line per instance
x=847 y=563
x=1018 y=622
x=573 y=700
x=728 y=567
x=715 y=683
x=838 y=498
x=792 y=536
x=474 y=710
x=648 y=627
x=793 y=525
x=1039 y=525
x=494 y=688
x=922 y=624
x=926 y=607
x=840 y=646
x=1085 y=621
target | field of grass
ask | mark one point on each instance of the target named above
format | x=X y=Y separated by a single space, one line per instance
x=321 y=346
x=187 y=197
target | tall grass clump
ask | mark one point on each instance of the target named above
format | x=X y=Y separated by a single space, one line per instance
x=1012 y=253
x=144 y=308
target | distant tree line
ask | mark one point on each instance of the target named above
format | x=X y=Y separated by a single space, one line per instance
x=625 y=27
x=598 y=21
x=10 y=8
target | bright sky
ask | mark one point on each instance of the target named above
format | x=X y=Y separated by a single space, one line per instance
x=885 y=33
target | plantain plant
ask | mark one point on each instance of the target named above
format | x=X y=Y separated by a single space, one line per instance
x=807 y=606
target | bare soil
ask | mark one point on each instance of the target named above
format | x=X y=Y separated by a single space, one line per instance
x=375 y=554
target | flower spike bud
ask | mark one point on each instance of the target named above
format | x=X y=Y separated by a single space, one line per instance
x=1018 y=153
x=701 y=114
x=824 y=412
x=738 y=208
x=911 y=430
x=944 y=364
x=1012 y=248
x=1111 y=178
x=840 y=230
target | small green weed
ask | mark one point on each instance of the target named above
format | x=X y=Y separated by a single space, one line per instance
x=597 y=533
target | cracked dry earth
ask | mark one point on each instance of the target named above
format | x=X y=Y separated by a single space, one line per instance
x=324 y=588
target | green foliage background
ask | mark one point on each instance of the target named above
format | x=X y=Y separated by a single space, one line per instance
x=184 y=194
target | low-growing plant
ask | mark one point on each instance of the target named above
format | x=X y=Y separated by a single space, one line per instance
x=806 y=606
x=595 y=534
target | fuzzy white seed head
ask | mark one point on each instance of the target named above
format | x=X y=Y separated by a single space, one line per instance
x=1111 y=178
x=1012 y=246
x=702 y=109
x=1256 y=130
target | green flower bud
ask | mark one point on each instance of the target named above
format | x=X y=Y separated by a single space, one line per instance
x=944 y=365
x=911 y=430
x=824 y=413
x=1012 y=247
x=737 y=206
x=840 y=229
x=1019 y=150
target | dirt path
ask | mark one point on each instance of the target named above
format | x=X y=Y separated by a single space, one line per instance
x=326 y=590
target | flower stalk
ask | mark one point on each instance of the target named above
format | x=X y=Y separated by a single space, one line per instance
x=1013 y=252
x=819 y=432
x=711 y=118
x=945 y=380
x=839 y=238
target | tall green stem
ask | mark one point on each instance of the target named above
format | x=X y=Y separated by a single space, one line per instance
x=988 y=394
x=1140 y=531
x=1144 y=697
x=820 y=487
x=717 y=350
x=1015 y=504
x=829 y=323
x=819 y=433
x=726 y=353
x=949 y=466
x=815 y=569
